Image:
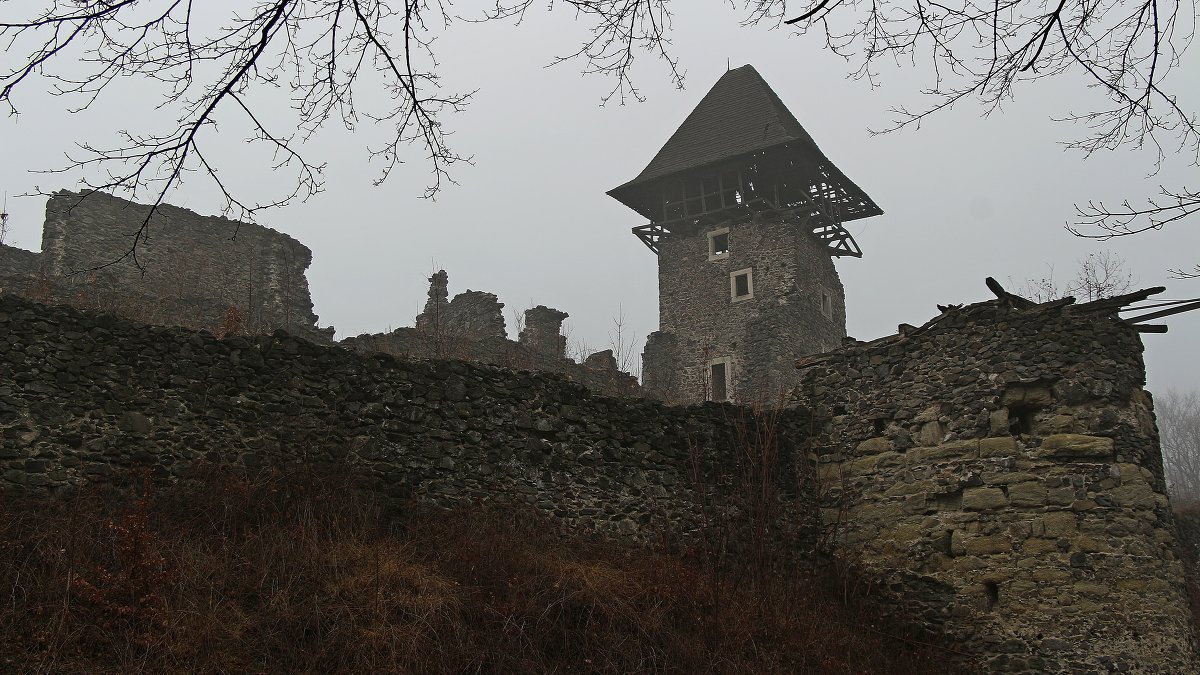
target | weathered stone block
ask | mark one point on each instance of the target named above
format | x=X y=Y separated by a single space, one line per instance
x=1050 y=575
x=919 y=487
x=1063 y=496
x=930 y=433
x=929 y=414
x=1090 y=588
x=134 y=423
x=1132 y=473
x=988 y=545
x=1038 y=547
x=1089 y=545
x=998 y=422
x=1030 y=395
x=968 y=449
x=982 y=498
x=1060 y=524
x=1135 y=495
x=1003 y=446
x=1008 y=477
x=1027 y=494
x=874 y=446
x=1075 y=446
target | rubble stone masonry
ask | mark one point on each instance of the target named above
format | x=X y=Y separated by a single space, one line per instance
x=997 y=470
x=700 y=320
x=197 y=271
x=1000 y=469
x=86 y=397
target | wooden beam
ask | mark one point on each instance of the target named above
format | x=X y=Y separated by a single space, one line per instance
x=1150 y=328
x=1163 y=312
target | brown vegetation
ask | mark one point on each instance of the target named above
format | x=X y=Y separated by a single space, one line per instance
x=283 y=573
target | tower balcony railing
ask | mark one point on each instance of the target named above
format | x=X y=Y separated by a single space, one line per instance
x=836 y=238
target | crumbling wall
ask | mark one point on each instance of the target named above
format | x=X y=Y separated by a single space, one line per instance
x=661 y=366
x=543 y=332
x=86 y=397
x=18 y=268
x=190 y=270
x=997 y=470
x=792 y=275
x=1000 y=469
x=470 y=326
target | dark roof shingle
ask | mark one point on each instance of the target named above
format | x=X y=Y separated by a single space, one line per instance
x=739 y=115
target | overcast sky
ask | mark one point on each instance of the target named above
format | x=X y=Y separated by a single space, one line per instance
x=964 y=197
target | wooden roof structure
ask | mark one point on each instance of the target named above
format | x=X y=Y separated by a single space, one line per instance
x=741 y=121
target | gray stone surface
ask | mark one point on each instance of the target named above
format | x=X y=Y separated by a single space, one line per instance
x=197 y=271
x=762 y=335
x=84 y=397
x=470 y=326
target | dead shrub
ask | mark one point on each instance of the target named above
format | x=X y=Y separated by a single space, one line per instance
x=278 y=572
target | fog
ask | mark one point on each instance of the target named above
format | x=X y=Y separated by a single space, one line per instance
x=965 y=196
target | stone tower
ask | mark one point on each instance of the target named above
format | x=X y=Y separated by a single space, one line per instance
x=745 y=215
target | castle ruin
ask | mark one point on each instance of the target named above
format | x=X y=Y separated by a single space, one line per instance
x=189 y=270
x=996 y=469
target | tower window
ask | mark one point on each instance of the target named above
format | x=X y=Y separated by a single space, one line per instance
x=719 y=371
x=827 y=303
x=741 y=284
x=718 y=244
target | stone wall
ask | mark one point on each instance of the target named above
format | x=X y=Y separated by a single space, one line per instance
x=18 y=268
x=1000 y=470
x=85 y=397
x=197 y=271
x=996 y=469
x=762 y=335
x=470 y=326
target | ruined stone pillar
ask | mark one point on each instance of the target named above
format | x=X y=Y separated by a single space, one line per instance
x=433 y=316
x=543 y=331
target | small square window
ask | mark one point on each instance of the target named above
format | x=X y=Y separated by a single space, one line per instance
x=741 y=285
x=718 y=244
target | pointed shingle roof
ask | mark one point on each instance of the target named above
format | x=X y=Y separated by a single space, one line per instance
x=739 y=115
x=741 y=124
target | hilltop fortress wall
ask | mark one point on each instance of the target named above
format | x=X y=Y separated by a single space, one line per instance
x=1001 y=467
x=229 y=277
x=997 y=468
x=203 y=272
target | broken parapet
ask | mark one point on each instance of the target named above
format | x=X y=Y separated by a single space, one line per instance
x=601 y=372
x=661 y=366
x=999 y=468
x=431 y=318
x=543 y=331
x=189 y=270
x=470 y=326
x=19 y=269
x=477 y=314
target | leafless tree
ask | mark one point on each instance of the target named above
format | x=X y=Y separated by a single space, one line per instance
x=1100 y=275
x=622 y=346
x=3 y=225
x=983 y=50
x=1178 y=417
x=319 y=50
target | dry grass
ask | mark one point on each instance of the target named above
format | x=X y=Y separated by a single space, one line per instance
x=303 y=574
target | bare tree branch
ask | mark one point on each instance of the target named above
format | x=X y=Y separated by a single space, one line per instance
x=318 y=50
x=985 y=49
x=1178 y=417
